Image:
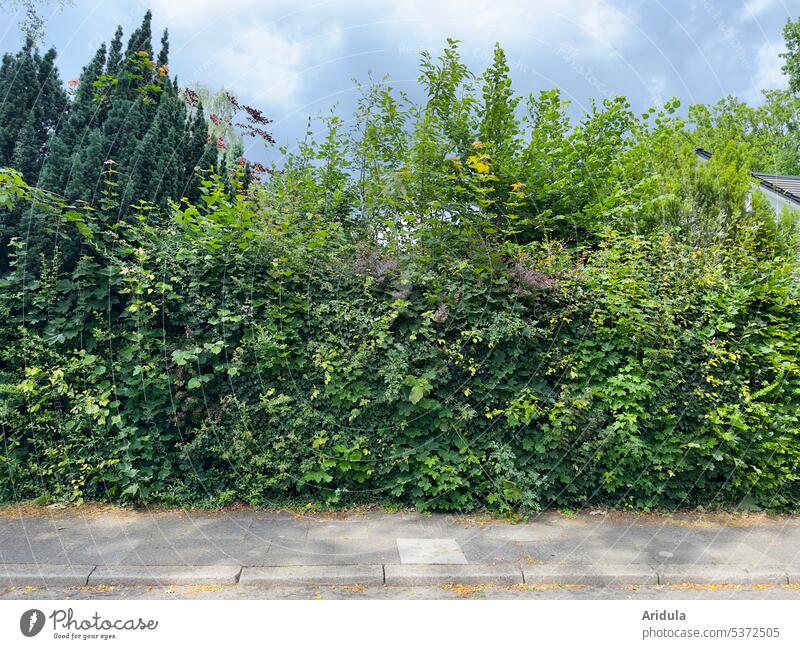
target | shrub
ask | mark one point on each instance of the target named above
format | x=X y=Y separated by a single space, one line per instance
x=446 y=306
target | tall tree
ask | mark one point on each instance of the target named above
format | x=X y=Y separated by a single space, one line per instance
x=32 y=102
x=791 y=34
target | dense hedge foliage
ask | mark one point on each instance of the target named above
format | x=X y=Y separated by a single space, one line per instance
x=469 y=302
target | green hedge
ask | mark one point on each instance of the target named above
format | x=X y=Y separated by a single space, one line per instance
x=412 y=312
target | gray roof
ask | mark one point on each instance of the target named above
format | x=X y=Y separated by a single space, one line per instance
x=786 y=186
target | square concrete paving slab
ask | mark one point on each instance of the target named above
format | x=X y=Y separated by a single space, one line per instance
x=355 y=575
x=163 y=575
x=430 y=551
x=47 y=575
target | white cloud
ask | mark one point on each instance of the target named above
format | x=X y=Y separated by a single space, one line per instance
x=753 y=8
x=199 y=13
x=268 y=65
x=595 y=24
x=265 y=48
x=605 y=23
x=768 y=73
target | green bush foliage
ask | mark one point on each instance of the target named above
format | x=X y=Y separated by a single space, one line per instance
x=468 y=302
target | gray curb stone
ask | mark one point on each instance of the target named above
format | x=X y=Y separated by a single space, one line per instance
x=706 y=574
x=365 y=575
x=590 y=575
x=163 y=575
x=433 y=575
x=48 y=575
x=24 y=574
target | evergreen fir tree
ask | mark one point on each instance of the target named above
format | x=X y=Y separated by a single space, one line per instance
x=32 y=102
x=163 y=55
x=125 y=108
x=87 y=168
x=27 y=154
x=136 y=68
x=18 y=83
x=115 y=53
x=65 y=147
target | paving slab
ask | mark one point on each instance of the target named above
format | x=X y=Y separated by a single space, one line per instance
x=537 y=533
x=47 y=575
x=76 y=546
x=278 y=530
x=428 y=575
x=764 y=549
x=350 y=529
x=367 y=551
x=433 y=551
x=590 y=575
x=163 y=575
x=482 y=550
x=198 y=552
x=298 y=553
x=353 y=575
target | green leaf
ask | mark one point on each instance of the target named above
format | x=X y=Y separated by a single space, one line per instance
x=416 y=394
x=84 y=229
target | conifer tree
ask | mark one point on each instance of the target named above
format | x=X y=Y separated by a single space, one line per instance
x=65 y=147
x=115 y=53
x=32 y=102
x=163 y=55
x=124 y=110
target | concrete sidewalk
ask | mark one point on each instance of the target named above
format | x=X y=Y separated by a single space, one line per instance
x=79 y=547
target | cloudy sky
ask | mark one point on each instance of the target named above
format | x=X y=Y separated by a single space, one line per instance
x=295 y=58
